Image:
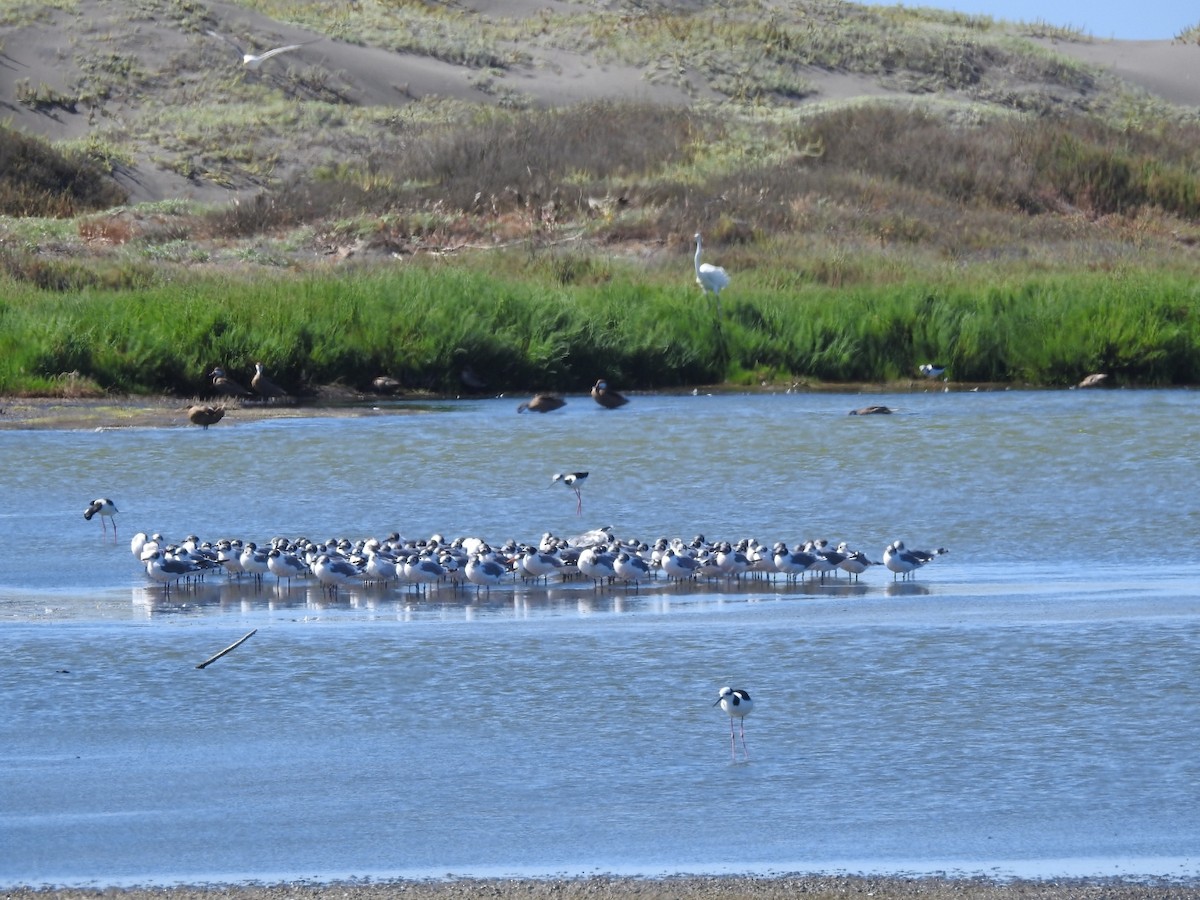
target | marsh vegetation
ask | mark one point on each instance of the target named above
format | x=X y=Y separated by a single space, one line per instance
x=985 y=201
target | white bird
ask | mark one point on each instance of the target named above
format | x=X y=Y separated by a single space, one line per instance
x=709 y=277
x=632 y=569
x=538 y=564
x=854 y=561
x=737 y=704
x=573 y=480
x=283 y=564
x=104 y=508
x=792 y=565
x=597 y=565
x=167 y=571
x=901 y=561
x=253 y=61
x=253 y=561
x=678 y=568
x=484 y=573
x=381 y=567
x=423 y=570
x=333 y=573
x=932 y=370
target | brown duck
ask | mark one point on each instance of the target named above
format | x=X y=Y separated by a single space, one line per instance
x=609 y=399
x=542 y=403
x=223 y=384
x=205 y=415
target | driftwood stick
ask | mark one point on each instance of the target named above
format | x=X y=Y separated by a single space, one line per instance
x=232 y=646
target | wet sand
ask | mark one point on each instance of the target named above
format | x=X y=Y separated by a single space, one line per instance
x=681 y=888
x=91 y=414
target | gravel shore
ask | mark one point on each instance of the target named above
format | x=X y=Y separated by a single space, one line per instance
x=813 y=887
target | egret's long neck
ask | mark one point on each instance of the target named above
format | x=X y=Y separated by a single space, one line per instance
x=699 y=250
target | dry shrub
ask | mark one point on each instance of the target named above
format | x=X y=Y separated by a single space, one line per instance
x=295 y=203
x=37 y=180
x=114 y=229
x=508 y=160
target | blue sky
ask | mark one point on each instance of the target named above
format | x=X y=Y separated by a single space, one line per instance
x=1146 y=20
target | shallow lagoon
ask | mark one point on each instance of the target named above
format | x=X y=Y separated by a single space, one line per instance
x=1025 y=705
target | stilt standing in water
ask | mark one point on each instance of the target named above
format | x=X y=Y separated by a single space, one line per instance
x=737 y=704
x=573 y=480
x=105 y=509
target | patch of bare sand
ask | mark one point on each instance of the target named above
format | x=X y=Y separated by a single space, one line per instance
x=96 y=414
x=1167 y=69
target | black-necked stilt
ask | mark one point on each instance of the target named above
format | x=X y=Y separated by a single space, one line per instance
x=223 y=384
x=709 y=277
x=264 y=386
x=901 y=561
x=542 y=403
x=872 y=411
x=253 y=61
x=573 y=480
x=105 y=509
x=932 y=370
x=205 y=415
x=606 y=397
x=737 y=704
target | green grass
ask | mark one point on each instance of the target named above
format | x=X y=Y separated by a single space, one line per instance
x=1014 y=213
x=424 y=324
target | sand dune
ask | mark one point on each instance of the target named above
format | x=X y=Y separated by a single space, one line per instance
x=178 y=62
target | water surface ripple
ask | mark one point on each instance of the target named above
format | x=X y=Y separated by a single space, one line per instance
x=1026 y=706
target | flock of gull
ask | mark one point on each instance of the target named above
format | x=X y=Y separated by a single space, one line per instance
x=436 y=563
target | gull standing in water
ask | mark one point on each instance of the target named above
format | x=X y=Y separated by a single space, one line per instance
x=573 y=480
x=737 y=705
x=901 y=561
x=253 y=61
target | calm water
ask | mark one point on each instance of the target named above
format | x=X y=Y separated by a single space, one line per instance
x=1026 y=706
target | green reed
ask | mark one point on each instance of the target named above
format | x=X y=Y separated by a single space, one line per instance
x=426 y=325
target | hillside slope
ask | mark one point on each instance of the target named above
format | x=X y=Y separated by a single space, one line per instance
x=151 y=88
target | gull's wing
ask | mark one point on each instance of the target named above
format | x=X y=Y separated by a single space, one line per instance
x=276 y=50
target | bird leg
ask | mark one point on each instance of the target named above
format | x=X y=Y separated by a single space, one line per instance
x=744 y=750
x=579 y=503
